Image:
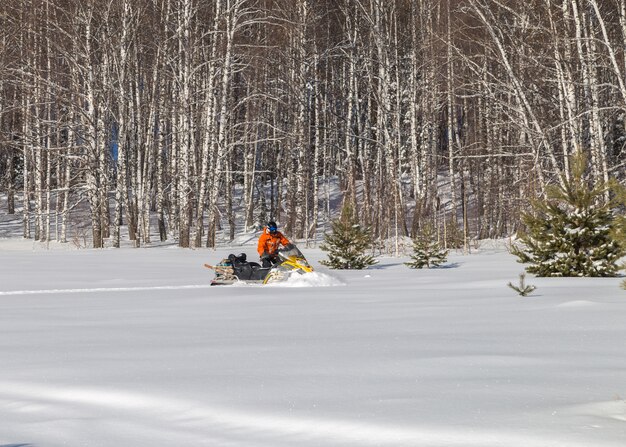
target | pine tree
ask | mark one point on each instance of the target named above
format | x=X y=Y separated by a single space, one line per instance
x=571 y=232
x=427 y=252
x=522 y=288
x=347 y=243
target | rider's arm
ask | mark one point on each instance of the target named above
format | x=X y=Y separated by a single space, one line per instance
x=261 y=247
x=283 y=240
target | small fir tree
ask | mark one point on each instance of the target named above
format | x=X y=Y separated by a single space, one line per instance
x=347 y=243
x=427 y=252
x=522 y=288
x=571 y=232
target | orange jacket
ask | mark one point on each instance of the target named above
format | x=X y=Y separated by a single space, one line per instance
x=269 y=242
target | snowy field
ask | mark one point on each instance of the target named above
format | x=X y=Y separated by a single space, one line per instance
x=133 y=348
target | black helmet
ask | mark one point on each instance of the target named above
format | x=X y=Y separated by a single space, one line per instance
x=271 y=226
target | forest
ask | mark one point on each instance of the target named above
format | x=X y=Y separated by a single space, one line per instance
x=184 y=118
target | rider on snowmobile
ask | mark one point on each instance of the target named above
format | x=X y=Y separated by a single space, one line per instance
x=269 y=243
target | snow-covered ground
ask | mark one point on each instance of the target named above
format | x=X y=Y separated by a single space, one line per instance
x=131 y=347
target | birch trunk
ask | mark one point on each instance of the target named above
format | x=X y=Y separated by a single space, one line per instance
x=319 y=141
x=303 y=99
x=232 y=16
x=10 y=179
x=414 y=102
x=208 y=157
x=184 y=127
x=93 y=129
x=351 y=83
x=451 y=132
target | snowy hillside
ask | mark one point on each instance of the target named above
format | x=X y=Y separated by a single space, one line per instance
x=131 y=347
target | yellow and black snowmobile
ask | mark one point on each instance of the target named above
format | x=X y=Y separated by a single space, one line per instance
x=289 y=261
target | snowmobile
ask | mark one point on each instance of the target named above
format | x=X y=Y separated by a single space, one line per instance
x=235 y=269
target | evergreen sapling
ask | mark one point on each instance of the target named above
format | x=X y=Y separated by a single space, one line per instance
x=427 y=252
x=522 y=289
x=347 y=243
x=571 y=232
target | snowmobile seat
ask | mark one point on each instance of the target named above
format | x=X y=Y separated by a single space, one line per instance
x=247 y=271
x=250 y=272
